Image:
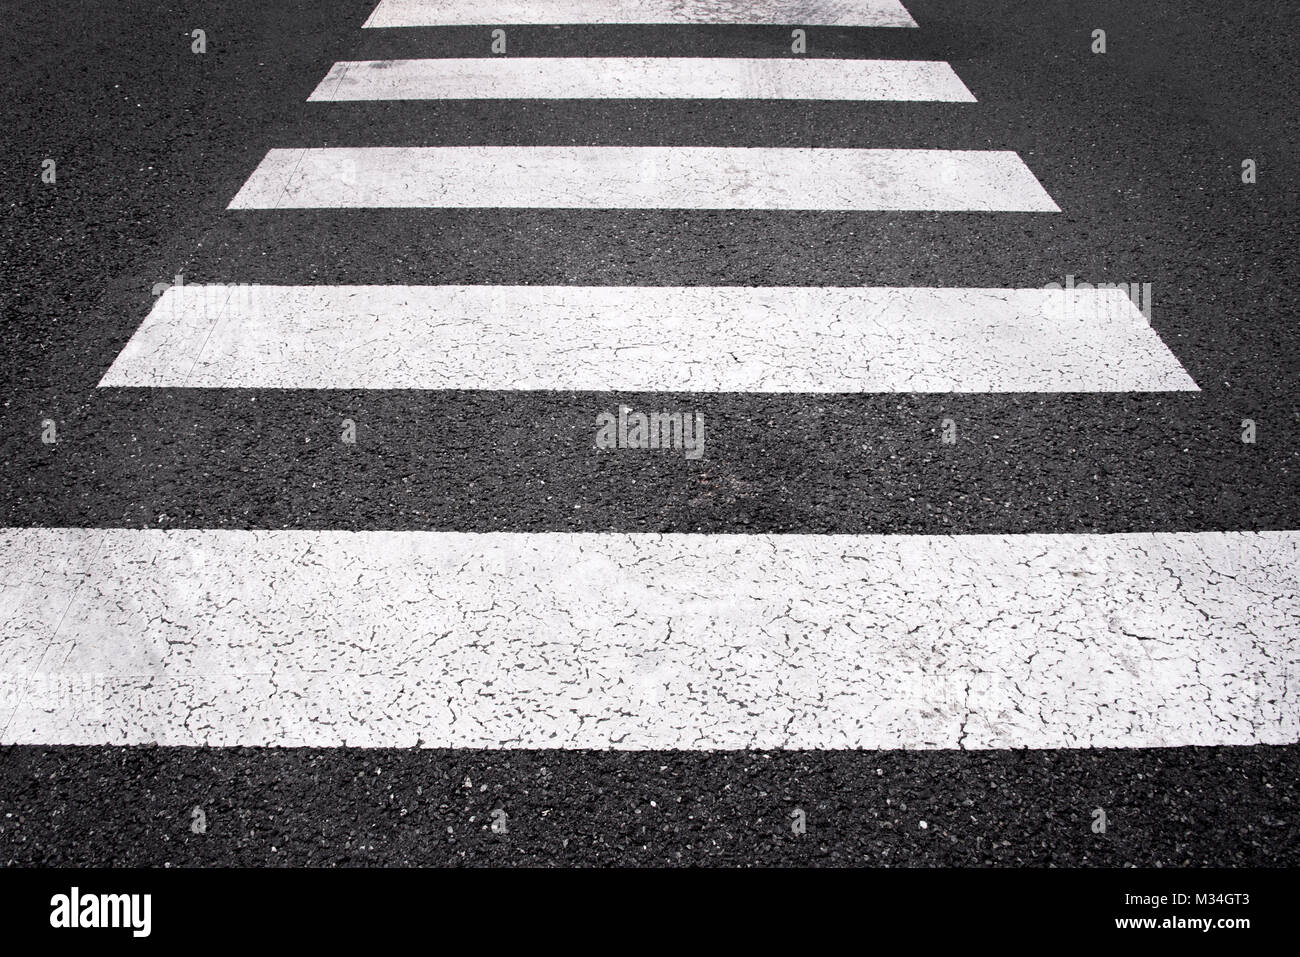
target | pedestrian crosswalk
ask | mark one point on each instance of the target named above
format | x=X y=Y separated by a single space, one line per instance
x=648 y=338
x=562 y=640
x=642 y=177
x=648 y=641
x=541 y=78
x=843 y=13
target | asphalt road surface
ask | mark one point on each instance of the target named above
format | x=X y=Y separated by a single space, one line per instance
x=330 y=534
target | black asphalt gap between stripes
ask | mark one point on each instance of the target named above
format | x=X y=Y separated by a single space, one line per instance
x=1140 y=147
x=1175 y=807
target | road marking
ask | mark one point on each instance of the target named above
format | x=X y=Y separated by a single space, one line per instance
x=843 y=13
x=643 y=177
x=648 y=338
x=642 y=78
x=636 y=641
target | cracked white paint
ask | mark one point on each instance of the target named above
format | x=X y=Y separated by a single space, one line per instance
x=641 y=78
x=845 y=13
x=643 y=177
x=646 y=338
x=640 y=641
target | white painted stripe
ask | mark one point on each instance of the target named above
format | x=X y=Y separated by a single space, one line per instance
x=693 y=339
x=844 y=13
x=641 y=78
x=643 y=177
x=505 y=640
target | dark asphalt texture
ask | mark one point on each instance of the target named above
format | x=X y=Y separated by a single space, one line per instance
x=1141 y=148
x=356 y=807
